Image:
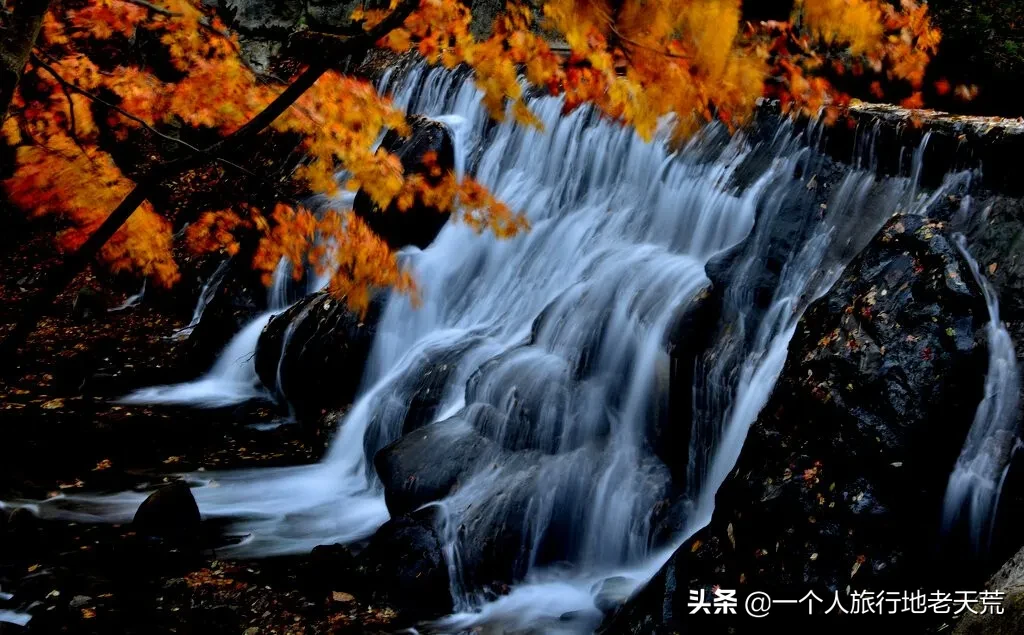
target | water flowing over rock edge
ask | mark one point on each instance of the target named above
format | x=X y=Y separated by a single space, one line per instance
x=771 y=331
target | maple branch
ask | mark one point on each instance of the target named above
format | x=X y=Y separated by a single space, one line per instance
x=152 y=7
x=74 y=263
x=648 y=47
x=67 y=85
x=203 y=21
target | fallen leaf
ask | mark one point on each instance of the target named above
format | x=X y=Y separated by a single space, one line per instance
x=340 y=596
x=88 y=614
x=53 y=404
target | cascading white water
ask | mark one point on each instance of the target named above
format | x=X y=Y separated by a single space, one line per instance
x=975 y=483
x=233 y=378
x=556 y=341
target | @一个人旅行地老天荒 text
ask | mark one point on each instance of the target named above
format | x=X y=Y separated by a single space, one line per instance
x=718 y=601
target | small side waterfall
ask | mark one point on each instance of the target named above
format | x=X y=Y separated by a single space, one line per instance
x=233 y=378
x=206 y=295
x=130 y=301
x=972 y=494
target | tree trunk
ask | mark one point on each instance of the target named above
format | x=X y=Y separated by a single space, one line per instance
x=19 y=28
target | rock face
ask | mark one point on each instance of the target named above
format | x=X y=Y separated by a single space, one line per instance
x=841 y=478
x=1009 y=580
x=997 y=241
x=278 y=17
x=313 y=354
x=419 y=224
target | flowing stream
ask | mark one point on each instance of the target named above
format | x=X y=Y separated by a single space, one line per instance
x=556 y=345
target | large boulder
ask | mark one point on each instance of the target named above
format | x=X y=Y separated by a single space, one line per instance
x=421 y=223
x=840 y=481
x=313 y=354
x=425 y=465
x=406 y=569
x=169 y=513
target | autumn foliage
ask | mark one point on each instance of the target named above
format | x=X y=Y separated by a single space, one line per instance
x=641 y=63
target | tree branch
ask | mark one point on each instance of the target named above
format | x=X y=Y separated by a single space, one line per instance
x=152 y=7
x=17 y=37
x=67 y=85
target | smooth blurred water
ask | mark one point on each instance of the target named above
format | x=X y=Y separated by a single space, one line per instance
x=556 y=351
x=972 y=495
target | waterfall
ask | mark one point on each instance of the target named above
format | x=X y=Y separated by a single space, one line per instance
x=232 y=379
x=557 y=346
x=206 y=295
x=130 y=301
x=974 y=485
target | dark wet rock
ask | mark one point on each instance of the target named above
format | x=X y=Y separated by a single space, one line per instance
x=171 y=513
x=535 y=508
x=841 y=478
x=406 y=567
x=313 y=354
x=419 y=224
x=425 y=465
x=943 y=143
x=690 y=335
x=331 y=565
x=527 y=389
x=22 y=535
x=89 y=304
